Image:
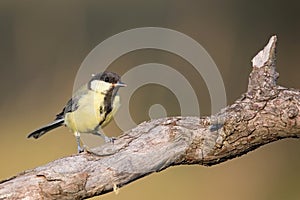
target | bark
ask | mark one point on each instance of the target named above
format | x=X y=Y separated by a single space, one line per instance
x=265 y=113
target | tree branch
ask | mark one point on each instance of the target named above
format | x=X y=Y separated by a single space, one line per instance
x=265 y=113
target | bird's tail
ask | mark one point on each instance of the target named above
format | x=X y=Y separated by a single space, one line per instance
x=41 y=131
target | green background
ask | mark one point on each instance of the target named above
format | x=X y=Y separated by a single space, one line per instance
x=42 y=44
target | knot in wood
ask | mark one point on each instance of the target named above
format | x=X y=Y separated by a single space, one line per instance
x=292 y=111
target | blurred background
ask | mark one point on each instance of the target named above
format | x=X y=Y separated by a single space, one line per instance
x=42 y=45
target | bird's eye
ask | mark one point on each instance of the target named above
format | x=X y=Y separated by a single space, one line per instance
x=106 y=79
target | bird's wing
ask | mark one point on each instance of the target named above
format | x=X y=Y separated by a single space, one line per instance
x=72 y=104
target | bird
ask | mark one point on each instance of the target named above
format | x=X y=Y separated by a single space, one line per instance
x=90 y=108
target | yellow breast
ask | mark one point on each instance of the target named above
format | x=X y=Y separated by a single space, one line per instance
x=88 y=116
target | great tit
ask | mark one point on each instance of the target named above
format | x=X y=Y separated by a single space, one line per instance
x=90 y=108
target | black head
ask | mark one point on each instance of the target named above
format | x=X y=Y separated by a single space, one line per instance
x=110 y=80
x=109 y=77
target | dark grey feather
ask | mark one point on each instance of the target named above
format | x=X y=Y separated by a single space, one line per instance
x=41 y=131
x=71 y=106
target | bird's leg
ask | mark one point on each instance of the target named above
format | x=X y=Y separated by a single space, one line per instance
x=77 y=136
x=106 y=138
x=79 y=149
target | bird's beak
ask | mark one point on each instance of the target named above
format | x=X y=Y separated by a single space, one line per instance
x=120 y=84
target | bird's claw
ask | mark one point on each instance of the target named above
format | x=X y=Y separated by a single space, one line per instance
x=80 y=150
x=109 y=139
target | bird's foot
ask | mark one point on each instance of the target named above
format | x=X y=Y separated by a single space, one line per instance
x=80 y=149
x=104 y=137
x=109 y=139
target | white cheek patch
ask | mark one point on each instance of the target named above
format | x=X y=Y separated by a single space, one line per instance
x=100 y=86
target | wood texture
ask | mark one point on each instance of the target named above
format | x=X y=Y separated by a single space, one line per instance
x=265 y=113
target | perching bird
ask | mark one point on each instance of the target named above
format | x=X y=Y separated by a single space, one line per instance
x=90 y=108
